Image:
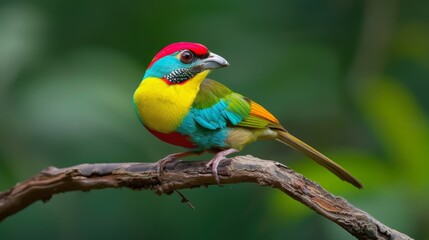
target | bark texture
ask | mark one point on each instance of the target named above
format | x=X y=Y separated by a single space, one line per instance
x=183 y=175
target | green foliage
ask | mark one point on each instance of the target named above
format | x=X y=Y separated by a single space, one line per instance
x=400 y=124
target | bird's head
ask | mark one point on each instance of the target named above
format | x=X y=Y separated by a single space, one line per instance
x=179 y=62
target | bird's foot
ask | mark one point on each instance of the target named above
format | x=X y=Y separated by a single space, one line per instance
x=214 y=163
x=160 y=165
x=172 y=158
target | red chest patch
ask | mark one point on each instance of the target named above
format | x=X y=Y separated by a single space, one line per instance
x=174 y=138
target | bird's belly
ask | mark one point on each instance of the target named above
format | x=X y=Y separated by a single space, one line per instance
x=174 y=138
x=239 y=137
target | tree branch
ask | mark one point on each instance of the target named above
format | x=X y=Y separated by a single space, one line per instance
x=183 y=175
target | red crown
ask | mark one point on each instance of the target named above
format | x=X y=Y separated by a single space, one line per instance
x=197 y=48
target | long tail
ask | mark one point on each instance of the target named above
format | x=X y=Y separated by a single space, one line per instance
x=321 y=159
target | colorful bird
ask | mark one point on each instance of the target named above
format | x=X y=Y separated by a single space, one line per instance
x=179 y=105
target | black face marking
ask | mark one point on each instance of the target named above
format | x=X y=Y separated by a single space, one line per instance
x=182 y=74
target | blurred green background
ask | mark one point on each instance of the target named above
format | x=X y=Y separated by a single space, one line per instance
x=349 y=77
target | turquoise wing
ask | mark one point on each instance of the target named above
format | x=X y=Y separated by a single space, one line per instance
x=216 y=106
x=215 y=110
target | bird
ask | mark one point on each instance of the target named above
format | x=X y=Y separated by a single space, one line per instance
x=178 y=104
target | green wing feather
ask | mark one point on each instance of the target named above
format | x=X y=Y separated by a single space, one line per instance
x=216 y=106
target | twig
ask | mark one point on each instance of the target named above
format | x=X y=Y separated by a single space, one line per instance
x=186 y=200
x=183 y=175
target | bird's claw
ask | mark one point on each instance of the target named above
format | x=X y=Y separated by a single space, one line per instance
x=214 y=170
x=214 y=163
x=160 y=165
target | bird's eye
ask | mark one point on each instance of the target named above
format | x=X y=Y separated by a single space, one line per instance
x=186 y=56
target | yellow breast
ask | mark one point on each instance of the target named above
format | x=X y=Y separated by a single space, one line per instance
x=162 y=107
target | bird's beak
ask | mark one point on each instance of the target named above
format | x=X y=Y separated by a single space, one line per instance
x=213 y=61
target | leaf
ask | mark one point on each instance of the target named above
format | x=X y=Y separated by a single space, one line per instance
x=398 y=121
